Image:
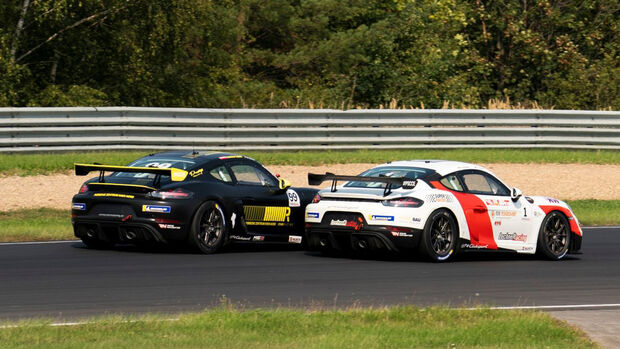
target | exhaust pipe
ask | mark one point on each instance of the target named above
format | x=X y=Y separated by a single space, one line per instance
x=323 y=243
x=130 y=235
x=362 y=244
x=91 y=233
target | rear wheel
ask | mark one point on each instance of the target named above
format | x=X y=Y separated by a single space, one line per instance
x=554 y=236
x=440 y=236
x=208 y=228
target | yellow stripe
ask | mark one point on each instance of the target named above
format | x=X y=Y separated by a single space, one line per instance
x=267 y=213
x=124 y=185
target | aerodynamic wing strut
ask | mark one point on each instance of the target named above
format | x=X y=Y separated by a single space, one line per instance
x=316 y=179
x=176 y=175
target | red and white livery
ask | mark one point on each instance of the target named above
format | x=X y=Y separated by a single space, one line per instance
x=438 y=208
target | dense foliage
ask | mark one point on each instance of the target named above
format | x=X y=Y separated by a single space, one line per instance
x=310 y=53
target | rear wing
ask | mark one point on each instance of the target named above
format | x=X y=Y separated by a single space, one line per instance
x=406 y=183
x=175 y=174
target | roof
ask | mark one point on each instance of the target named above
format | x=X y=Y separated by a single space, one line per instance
x=200 y=156
x=442 y=167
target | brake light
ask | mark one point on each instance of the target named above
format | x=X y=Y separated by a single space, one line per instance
x=84 y=188
x=177 y=193
x=316 y=199
x=403 y=202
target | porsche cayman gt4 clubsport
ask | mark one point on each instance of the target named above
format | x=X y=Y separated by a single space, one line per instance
x=205 y=198
x=438 y=208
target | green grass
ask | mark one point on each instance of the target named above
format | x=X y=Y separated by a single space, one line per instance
x=31 y=164
x=35 y=225
x=597 y=212
x=53 y=224
x=398 y=327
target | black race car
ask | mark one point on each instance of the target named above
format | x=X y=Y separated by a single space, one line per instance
x=205 y=198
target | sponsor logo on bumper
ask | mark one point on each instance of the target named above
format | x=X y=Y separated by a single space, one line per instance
x=114 y=195
x=512 y=237
x=312 y=215
x=294 y=239
x=78 y=206
x=155 y=208
x=382 y=218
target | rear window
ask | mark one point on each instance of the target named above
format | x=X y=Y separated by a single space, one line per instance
x=406 y=172
x=147 y=178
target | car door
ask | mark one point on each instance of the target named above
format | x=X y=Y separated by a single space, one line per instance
x=509 y=219
x=265 y=207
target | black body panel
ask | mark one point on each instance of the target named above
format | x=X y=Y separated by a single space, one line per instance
x=129 y=207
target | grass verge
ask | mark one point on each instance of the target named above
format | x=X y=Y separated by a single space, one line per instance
x=53 y=224
x=398 y=327
x=32 y=164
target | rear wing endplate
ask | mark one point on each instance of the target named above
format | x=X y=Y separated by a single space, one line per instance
x=406 y=183
x=175 y=174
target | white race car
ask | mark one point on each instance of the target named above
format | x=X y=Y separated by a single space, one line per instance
x=439 y=208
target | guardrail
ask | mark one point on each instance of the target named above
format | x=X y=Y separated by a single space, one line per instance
x=63 y=129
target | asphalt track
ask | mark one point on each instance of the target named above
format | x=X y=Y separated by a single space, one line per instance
x=67 y=281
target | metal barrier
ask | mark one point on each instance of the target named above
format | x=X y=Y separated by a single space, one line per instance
x=63 y=129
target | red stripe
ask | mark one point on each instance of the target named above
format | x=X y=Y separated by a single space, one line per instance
x=571 y=220
x=479 y=223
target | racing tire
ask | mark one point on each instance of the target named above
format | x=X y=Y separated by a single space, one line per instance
x=439 y=241
x=554 y=236
x=208 y=230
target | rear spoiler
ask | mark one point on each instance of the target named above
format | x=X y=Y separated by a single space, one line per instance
x=175 y=174
x=406 y=183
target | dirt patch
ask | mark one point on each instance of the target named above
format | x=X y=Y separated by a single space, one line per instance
x=567 y=182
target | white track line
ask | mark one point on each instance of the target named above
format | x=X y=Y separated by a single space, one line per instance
x=555 y=307
x=37 y=242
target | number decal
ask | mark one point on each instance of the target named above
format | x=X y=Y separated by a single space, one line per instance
x=524 y=212
x=293 y=198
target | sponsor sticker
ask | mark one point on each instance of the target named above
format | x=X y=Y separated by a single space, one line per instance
x=293 y=198
x=409 y=184
x=240 y=238
x=497 y=202
x=416 y=219
x=512 y=237
x=439 y=198
x=78 y=206
x=553 y=201
x=114 y=195
x=294 y=239
x=169 y=226
x=402 y=234
x=312 y=215
x=382 y=218
x=474 y=246
x=338 y=222
x=155 y=208
x=258 y=238
x=196 y=173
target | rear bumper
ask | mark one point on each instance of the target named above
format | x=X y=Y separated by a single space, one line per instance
x=367 y=239
x=114 y=219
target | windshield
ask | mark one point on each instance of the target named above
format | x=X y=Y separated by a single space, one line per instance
x=406 y=172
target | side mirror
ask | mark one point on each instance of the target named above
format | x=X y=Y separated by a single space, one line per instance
x=515 y=194
x=283 y=183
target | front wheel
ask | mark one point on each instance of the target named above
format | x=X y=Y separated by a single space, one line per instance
x=554 y=236
x=208 y=229
x=440 y=236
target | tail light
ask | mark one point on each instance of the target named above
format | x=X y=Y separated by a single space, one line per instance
x=84 y=188
x=177 y=193
x=316 y=199
x=403 y=202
